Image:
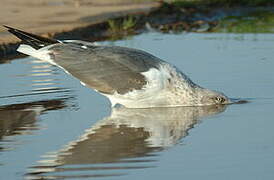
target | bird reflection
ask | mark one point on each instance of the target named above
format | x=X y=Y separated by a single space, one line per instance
x=19 y=119
x=127 y=139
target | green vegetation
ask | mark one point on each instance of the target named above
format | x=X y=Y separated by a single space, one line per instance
x=257 y=22
x=193 y=3
x=124 y=25
x=251 y=20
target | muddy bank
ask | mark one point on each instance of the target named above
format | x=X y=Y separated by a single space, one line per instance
x=51 y=17
x=164 y=17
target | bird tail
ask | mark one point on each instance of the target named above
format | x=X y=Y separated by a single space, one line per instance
x=32 y=40
x=33 y=44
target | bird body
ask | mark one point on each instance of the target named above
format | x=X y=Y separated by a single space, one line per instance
x=130 y=77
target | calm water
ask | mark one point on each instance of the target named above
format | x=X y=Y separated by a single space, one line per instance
x=51 y=127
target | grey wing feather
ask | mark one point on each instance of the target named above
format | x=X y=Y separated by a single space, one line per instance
x=107 y=69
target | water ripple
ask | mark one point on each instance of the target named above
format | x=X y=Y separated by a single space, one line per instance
x=33 y=80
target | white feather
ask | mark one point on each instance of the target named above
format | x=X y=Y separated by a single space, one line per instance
x=42 y=53
x=155 y=92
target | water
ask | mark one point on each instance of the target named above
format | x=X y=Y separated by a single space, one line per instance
x=54 y=128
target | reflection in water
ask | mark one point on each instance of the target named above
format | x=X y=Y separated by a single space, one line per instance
x=33 y=79
x=44 y=82
x=127 y=139
x=20 y=119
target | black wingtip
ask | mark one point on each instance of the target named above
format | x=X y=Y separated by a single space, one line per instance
x=33 y=40
x=6 y=26
x=10 y=28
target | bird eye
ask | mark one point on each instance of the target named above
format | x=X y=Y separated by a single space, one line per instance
x=219 y=99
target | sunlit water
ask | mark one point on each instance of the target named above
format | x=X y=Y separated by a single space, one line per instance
x=51 y=127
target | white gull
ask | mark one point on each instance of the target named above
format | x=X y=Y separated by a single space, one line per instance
x=129 y=77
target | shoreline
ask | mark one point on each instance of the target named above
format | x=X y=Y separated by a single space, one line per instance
x=54 y=18
x=163 y=17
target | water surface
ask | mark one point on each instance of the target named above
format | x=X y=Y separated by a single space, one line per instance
x=54 y=128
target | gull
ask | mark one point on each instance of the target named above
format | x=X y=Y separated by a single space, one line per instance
x=125 y=134
x=129 y=77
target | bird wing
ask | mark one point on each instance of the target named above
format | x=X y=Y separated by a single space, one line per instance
x=107 y=69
